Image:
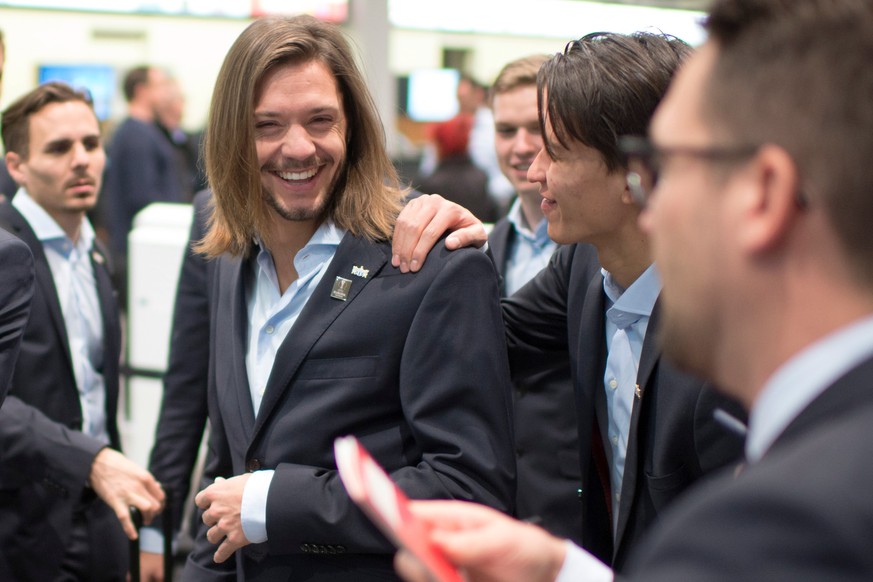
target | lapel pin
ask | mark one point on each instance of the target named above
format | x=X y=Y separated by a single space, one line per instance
x=98 y=258
x=638 y=392
x=360 y=271
x=341 y=289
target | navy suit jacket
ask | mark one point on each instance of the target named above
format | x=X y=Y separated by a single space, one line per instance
x=16 y=291
x=183 y=413
x=673 y=437
x=44 y=458
x=414 y=365
x=802 y=512
x=546 y=428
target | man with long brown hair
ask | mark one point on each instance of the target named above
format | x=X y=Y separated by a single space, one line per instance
x=315 y=335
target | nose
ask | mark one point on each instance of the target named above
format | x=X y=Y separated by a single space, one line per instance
x=81 y=155
x=537 y=171
x=297 y=144
x=526 y=143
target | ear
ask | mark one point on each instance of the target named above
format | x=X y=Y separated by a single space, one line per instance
x=13 y=164
x=770 y=206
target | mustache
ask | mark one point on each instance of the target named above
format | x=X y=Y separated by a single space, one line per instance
x=295 y=166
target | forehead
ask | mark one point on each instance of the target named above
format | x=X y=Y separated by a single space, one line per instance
x=308 y=80
x=67 y=120
x=680 y=116
x=521 y=96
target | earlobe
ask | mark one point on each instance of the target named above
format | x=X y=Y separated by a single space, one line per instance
x=13 y=164
x=772 y=210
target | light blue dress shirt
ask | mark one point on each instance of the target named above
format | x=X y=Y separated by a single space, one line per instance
x=529 y=251
x=73 y=275
x=627 y=319
x=271 y=317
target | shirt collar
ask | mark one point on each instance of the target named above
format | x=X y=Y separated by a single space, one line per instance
x=326 y=238
x=638 y=299
x=44 y=226
x=539 y=236
x=802 y=379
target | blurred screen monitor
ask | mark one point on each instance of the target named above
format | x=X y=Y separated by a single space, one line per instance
x=432 y=94
x=98 y=80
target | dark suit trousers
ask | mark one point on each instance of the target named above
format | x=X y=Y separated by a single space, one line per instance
x=97 y=550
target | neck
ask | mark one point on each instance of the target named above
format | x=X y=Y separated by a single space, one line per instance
x=625 y=257
x=141 y=111
x=285 y=241
x=531 y=210
x=71 y=224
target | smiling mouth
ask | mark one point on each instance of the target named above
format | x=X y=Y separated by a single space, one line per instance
x=301 y=176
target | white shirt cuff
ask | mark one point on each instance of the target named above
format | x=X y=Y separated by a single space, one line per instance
x=580 y=565
x=151 y=540
x=253 y=512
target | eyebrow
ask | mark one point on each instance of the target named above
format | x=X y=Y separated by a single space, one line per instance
x=314 y=110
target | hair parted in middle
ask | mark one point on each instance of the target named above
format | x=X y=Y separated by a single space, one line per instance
x=606 y=85
x=367 y=196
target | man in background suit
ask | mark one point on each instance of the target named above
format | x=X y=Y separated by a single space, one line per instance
x=760 y=226
x=16 y=291
x=546 y=430
x=315 y=336
x=646 y=430
x=58 y=431
x=183 y=415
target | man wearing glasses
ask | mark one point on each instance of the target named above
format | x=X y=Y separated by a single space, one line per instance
x=759 y=211
x=646 y=430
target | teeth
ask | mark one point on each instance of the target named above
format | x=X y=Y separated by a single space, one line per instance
x=297 y=175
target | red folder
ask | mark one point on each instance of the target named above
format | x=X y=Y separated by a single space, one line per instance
x=387 y=506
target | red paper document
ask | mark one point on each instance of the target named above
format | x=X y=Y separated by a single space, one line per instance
x=373 y=490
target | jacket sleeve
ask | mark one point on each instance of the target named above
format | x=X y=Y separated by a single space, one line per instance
x=16 y=291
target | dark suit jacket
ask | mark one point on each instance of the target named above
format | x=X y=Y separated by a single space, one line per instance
x=546 y=429
x=673 y=440
x=184 y=407
x=44 y=458
x=16 y=291
x=414 y=365
x=803 y=512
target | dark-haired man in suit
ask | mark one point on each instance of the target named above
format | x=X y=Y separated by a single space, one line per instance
x=646 y=430
x=66 y=488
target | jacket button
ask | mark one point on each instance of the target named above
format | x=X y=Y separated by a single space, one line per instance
x=253 y=465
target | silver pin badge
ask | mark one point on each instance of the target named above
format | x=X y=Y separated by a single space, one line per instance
x=638 y=392
x=360 y=271
x=341 y=289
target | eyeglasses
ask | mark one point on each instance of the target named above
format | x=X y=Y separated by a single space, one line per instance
x=644 y=161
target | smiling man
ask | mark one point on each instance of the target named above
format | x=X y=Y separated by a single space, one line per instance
x=58 y=426
x=315 y=336
x=647 y=431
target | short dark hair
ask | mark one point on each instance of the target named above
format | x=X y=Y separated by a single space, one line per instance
x=798 y=74
x=606 y=85
x=16 y=117
x=134 y=78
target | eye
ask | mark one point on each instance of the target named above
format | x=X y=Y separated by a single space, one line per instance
x=506 y=131
x=58 y=147
x=91 y=143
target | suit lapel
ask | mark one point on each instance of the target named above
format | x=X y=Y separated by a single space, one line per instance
x=649 y=356
x=111 y=337
x=320 y=311
x=231 y=271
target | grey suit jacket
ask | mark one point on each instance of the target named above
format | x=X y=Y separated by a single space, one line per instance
x=414 y=365
x=44 y=458
x=803 y=512
x=546 y=428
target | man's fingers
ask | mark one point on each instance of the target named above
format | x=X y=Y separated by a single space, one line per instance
x=123 y=514
x=410 y=568
x=470 y=236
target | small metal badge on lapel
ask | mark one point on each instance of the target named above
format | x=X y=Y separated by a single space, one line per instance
x=341 y=289
x=637 y=392
x=98 y=258
x=360 y=271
